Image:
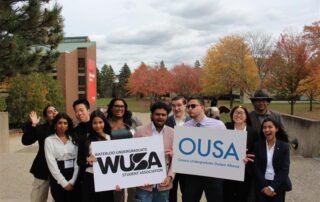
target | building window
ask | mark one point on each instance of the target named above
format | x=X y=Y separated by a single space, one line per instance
x=81 y=65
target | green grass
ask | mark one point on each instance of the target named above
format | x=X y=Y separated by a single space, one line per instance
x=134 y=105
x=300 y=109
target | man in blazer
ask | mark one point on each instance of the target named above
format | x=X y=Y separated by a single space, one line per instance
x=179 y=117
x=159 y=116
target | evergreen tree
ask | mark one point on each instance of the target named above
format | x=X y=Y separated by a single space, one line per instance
x=124 y=75
x=162 y=64
x=197 y=64
x=99 y=83
x=107 y=75
x=29 y=35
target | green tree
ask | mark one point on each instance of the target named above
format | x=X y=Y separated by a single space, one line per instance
x=124 y=75
x=197 y=64
x=32 y=92
x=29 y=35
x=99 y=83
x=107 y=75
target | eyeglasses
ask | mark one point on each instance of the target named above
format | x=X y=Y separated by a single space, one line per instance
x=192 y=106
x=238 y=113
x=118 y=106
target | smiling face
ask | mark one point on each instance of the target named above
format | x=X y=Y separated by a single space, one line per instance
x=178 y=108
x=98 y=125
x=159 y=117
x=51 y=112
x=261 y=106
x=82 y=113
x=118 y=109
x=239 y=116
x=269 y=130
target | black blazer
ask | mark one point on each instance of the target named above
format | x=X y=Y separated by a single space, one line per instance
x=252 y=136
x=39 y=167
x=280 y=162
x=171 y=122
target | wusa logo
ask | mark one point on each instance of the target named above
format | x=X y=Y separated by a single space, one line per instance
x=138 y=161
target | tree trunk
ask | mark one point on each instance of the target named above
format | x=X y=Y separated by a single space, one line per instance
x=310 y=105
x=292 y=106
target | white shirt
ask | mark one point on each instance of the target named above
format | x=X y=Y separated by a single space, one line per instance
x=154 y=130
x=56 y=150
x=269 y=175
x=179 y=122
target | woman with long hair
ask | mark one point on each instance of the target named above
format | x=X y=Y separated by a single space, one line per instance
x=99 y=131
x=272 y=162
x=61 y=154
x=123 y=126
x=236 y=190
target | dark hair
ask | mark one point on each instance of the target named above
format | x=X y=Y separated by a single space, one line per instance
x=127 y=114
x=62 y=115
x=248 y=120
x=280 y=134
x=81 y=101
x=198 y=98
x=100 y=114
x=179 y=98
x=44 y=112
x=160 y=105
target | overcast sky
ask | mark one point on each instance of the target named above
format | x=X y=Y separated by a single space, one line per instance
x=176 y=31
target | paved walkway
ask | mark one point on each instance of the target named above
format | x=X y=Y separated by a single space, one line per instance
x=15 y=179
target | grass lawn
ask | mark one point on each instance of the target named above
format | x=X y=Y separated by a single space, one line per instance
x=301 y=109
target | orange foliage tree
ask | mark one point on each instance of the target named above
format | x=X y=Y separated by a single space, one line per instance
x=228 y=67
x=185 y=80
x=150 y=81
x=289 y=67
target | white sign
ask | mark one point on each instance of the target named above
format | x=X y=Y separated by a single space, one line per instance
x=209 y=152
x=128 y=162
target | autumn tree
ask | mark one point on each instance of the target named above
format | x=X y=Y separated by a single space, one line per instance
x=310 y=86
x=29 y=35
x=124 y=75
x=150 y=81
x=229 y=67
x=261 y=48
x=185 y=80
x=289 y=67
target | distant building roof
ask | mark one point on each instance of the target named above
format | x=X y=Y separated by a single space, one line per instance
x=69 y=44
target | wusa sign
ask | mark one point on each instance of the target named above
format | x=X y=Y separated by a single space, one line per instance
x=209 y=152
x=128 y=162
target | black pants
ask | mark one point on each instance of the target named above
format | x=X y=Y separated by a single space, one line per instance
x=59 y=194
x=89 y=194
x=236 y=190
x=178 y=179
x=279 y=197
x=195 y=185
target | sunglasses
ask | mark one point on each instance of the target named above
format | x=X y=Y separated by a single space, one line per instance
x=192 y=106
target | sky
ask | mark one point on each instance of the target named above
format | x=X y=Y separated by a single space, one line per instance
x=176 y=31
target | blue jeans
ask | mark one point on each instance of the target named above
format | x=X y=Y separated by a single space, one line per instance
x=152 y=196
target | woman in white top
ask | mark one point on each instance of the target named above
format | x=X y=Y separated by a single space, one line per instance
x=272 y=162
x=61 y=154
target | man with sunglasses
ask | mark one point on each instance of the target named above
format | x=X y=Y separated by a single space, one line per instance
x=195 y=185
x=178 y=118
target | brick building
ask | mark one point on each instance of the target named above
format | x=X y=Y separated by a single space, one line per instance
x=76 y=70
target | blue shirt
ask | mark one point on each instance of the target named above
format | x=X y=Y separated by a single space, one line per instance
x=206 y=122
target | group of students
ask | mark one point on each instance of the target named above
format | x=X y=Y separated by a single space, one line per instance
x=64 y=160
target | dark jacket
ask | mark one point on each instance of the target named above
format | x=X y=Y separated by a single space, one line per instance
x=81 y=130
x=236 y=190
x=39 y=167
x=256 y=125
x=171 y=122
x=280 y=162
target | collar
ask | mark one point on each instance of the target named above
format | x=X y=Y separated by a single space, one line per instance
x=153 y=128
